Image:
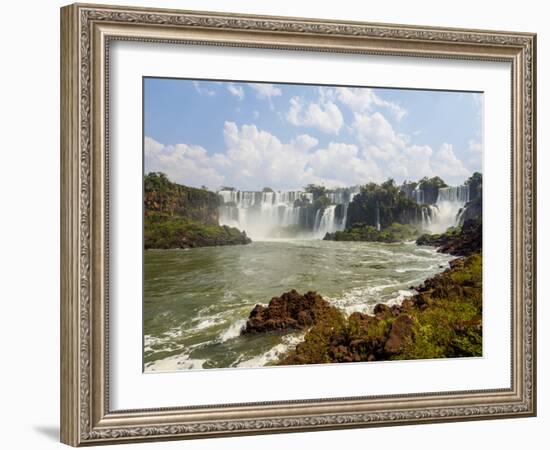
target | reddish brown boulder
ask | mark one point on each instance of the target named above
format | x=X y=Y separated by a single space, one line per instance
x=290 y=311
x=401 y=332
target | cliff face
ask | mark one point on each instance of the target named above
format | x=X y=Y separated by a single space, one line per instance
x=382 y=204
x=473 y=210
x=460 y=241
x=178 y=216
x=165 y=197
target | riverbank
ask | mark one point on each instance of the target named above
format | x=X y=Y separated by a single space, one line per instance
x=196 y=301
x=396 y=232
x=173 y=232
x=457 y=241
x=442 y=320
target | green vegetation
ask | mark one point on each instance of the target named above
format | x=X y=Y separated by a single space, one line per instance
x=409 y=185
x=321 y=202
x=384 y=203
x=443 y=320
x=177 y=216
x=396 y=232
x=316 y=190
x=476 y=183
x=172 y=199
x=303 y=201
x=459 y=241
x=431 y=183
x=439 y=239
x=473 y=210
x=449 y=324
x=164 y=232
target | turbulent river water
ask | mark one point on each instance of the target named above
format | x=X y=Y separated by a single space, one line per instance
x=197 y=300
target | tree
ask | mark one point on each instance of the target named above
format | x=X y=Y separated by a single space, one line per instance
x=321 y=202
x=267 y=189
x=475 y=182
x=384 y=203
x=316 y=190
x=432 y=183
x=302 y=201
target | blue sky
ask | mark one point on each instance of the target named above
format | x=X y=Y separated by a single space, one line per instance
x=253 y=135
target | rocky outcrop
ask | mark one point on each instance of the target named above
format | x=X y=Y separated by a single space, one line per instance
x=290 y=311
x=401 y=333
x=177 y=216
x=161 y=196
x=165 y=232
x=468 y=241
x=473 y=210
x=462 y=241
x=442 y=320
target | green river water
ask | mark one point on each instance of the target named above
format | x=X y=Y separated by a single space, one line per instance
x=197 y=300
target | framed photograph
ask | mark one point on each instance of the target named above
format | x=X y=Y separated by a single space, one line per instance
x=279 y=224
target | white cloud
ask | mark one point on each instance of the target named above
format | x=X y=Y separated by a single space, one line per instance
x=325 y=115
x=446 y=165
x=375 y=133
x=202 y=90
x=343 y=165
x=265 y=90
x=254 y=158
x=182 y=163
x=361 y=100
x=236 y=91
x=400 y=159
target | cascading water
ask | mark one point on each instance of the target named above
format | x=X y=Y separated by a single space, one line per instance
x=327 y=222
x=446 y=212
x=418 y=195
x=260 y=214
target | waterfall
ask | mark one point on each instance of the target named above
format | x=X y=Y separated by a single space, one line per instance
x=378 y=218
x=449 y=205
x=418 y=195
x=261 y=214
x=327 y=224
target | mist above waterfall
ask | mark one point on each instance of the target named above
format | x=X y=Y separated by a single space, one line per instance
x=311 y=215
x=446 y=212
x=268 y=214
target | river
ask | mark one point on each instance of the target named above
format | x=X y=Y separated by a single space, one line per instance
x=197 y=300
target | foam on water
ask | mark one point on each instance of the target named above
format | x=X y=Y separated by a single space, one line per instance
x=172 y=363
x=288 y=343
x=233 y=331
x=202 y=299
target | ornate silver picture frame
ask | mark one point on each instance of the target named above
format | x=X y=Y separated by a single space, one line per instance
x=87 y=33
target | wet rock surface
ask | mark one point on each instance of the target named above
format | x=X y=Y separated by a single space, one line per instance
x=290 y=311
